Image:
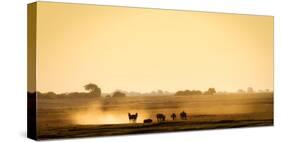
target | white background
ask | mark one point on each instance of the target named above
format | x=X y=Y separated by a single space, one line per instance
x=13 y=70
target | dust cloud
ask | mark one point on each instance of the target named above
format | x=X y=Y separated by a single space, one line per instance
x=115 y=111
x=98 y=113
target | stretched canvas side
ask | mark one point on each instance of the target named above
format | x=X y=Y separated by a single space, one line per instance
x=31 y=70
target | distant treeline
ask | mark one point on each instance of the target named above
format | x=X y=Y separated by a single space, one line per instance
x=94 y=91
x=210 y=91
x=51 y=95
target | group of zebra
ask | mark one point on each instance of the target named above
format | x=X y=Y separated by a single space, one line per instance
x=159 y=116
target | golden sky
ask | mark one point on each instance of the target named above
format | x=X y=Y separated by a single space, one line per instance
x=142 y=50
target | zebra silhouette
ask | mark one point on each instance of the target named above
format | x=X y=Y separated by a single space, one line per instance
x=173 y=116
x=160 y=117
x=133 y=117
x=183 y=115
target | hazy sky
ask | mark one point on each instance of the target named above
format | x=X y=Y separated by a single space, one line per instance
x=147 y=49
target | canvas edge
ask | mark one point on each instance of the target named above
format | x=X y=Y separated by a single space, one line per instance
x=31 y=71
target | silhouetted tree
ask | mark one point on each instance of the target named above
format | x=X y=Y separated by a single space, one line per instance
x=211 y=91
x=118 y=94
x=196 y=92
x=188 y=92
x=94 y=89
x=180 y=93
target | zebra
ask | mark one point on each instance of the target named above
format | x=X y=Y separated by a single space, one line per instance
x=160 y=117
x=173 y=116
x=133 y=117
x=183 y=115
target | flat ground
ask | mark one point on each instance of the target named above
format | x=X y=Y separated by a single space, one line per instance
x=67 y=118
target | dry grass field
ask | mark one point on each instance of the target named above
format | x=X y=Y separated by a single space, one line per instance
x=82 y=117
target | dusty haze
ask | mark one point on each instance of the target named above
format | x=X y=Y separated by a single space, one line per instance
x=115 y=110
